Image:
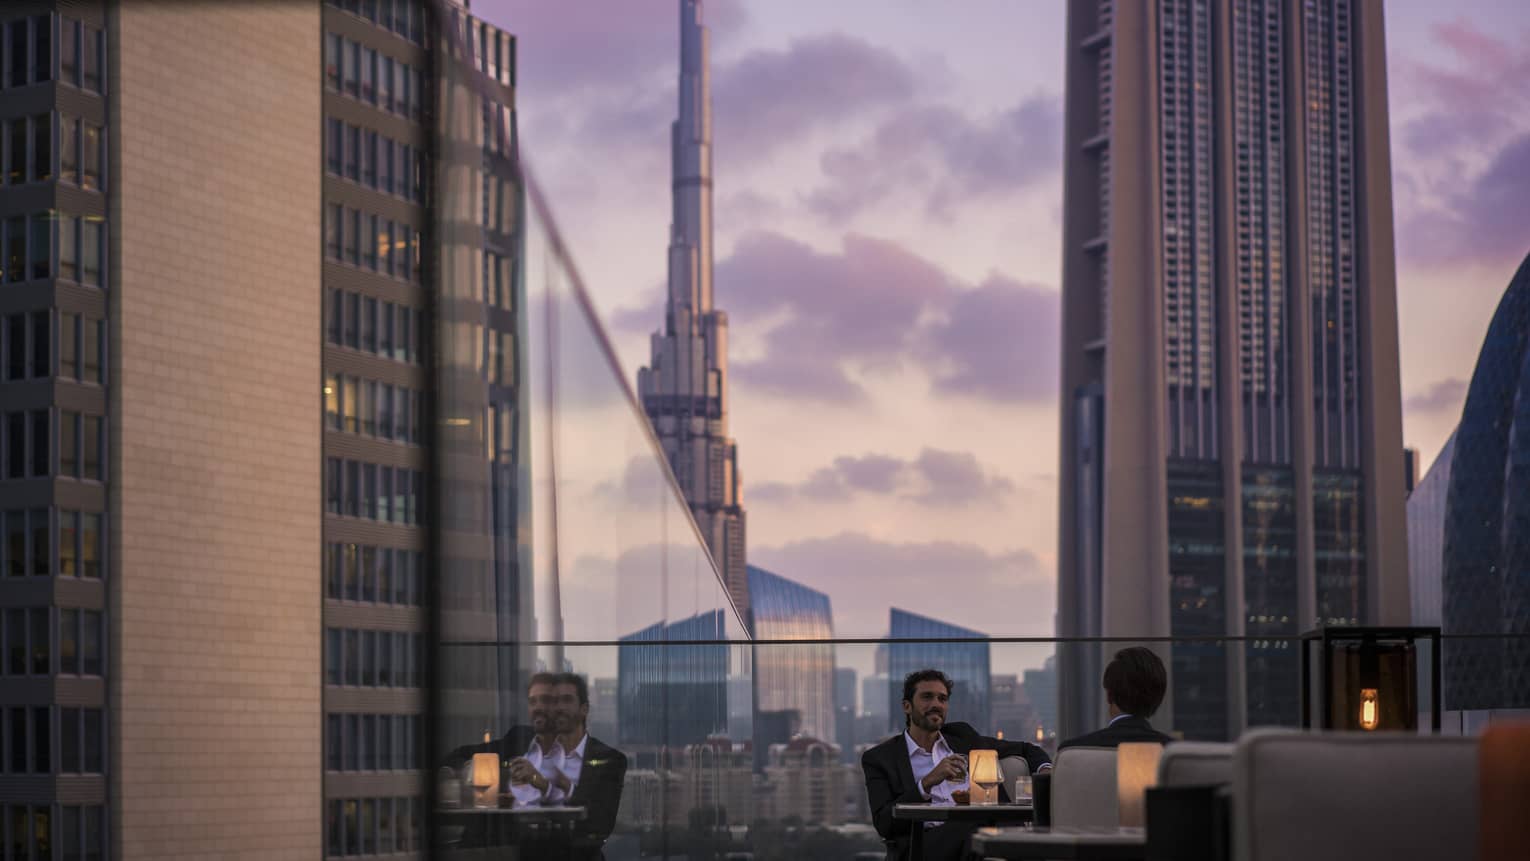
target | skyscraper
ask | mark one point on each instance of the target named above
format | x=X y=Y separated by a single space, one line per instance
x=1426 y=538
x=965 y=664
x=1486 y=588
x=1231 y=423
x=796 y=677
x=684 y=389
x=216 y=449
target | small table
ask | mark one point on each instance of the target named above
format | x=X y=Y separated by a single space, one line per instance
x=502 y=826
x=1097 y=844
x=991 y=814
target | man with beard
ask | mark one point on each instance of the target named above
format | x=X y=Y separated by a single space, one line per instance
x=589 y=773
x=528 y=754
x=925 y=764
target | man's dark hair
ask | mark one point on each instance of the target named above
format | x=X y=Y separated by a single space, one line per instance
x=912 y=680
x=580 y=686
x=1135 y=681
x=542 y=679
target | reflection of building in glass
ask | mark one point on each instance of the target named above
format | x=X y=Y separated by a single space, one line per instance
x=685 y=388
x=805 y=780
x=1231 y=426
x=796 y=678
x=671 y=694
x=1487 y=520
x=1426 y=538
x=966 y=664
x=603 y=709
x=875 y=722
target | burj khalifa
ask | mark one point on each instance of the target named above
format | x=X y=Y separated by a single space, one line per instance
x=684 y=389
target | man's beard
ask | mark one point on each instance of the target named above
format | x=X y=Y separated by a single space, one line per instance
x=930 y=720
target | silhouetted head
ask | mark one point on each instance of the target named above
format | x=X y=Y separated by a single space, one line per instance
x=1135 y=681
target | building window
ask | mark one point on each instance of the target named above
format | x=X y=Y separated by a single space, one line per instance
x=94 y=338
x=42 y=149
x=68 y=248
x=91 y=450
x=91 y=543
x=93 y=59
x=69 y=51
x=68 y=444
x=16 y=47
x=69 y=642
x=91 y=156
x=42 y=245
x=90 y=251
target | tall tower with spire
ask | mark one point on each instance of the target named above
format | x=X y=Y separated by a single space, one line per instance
x=685 y=387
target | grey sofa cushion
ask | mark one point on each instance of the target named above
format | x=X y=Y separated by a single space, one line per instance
x=1348 y=796
x=1084 y=788
x=1196 y=763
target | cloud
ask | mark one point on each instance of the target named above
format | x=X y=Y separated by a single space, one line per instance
x=1444 y=395
x=565 y=48
x=1463 y=176
x=875 y=307
x=947 y=156
x=934 y=478
x=865 y=576
x=769 y=98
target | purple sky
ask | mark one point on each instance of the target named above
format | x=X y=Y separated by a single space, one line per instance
x=888 y=200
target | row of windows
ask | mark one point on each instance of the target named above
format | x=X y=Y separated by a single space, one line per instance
x=29 y=551
x=372 y=242
x=376 y=161
x=31 y=253
x=362 y=73
x=29 y=731
x=81 y=446
x=377 y=327
x=81 y=832
x=28 y=49
x=29 y=151
x=375 y=826
x=375 y=409
x=373 y=492
x=406 y=18
x=29 y=639
x=27 y=345
x=375 y=575
x=373 y=659
x=499 y=281
x=372 y=742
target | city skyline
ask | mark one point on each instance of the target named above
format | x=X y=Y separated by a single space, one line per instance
x=854 y=468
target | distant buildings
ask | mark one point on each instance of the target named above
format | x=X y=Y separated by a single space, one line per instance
x=1486 y=583
x=845 y=712
x=671 y=695
x=966 y=664
x=788 y=676
x=1231 y=414
x=1041 y=690
x=1426 y=538
x=1012 y=711
x=807 y=781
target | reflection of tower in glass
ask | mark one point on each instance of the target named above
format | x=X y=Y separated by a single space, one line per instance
x=1231 y=425
x=480 y=389
x=965 y=664
x=684 y=389
x=792 y=677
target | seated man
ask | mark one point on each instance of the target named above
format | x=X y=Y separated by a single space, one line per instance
x=1135 y=682
x=555 y=762
x=926 y=763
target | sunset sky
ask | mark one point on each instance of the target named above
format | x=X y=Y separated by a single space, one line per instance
x=888 y=203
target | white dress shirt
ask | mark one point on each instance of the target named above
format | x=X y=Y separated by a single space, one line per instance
x=548 y=763
x=571 y=766
x=923 y=762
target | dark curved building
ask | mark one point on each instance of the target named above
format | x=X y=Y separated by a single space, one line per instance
x=1487 y=520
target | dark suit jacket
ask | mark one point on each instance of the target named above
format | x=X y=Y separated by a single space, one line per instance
x=599 y=789
x=1129 y=728
x=890 y=776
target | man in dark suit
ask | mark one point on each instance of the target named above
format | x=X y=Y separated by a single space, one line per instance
x=925 y=764
x=1135 y=682
x=554 y=761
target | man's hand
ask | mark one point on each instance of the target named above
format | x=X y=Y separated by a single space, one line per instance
x=952 y=767
x=523 y=772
